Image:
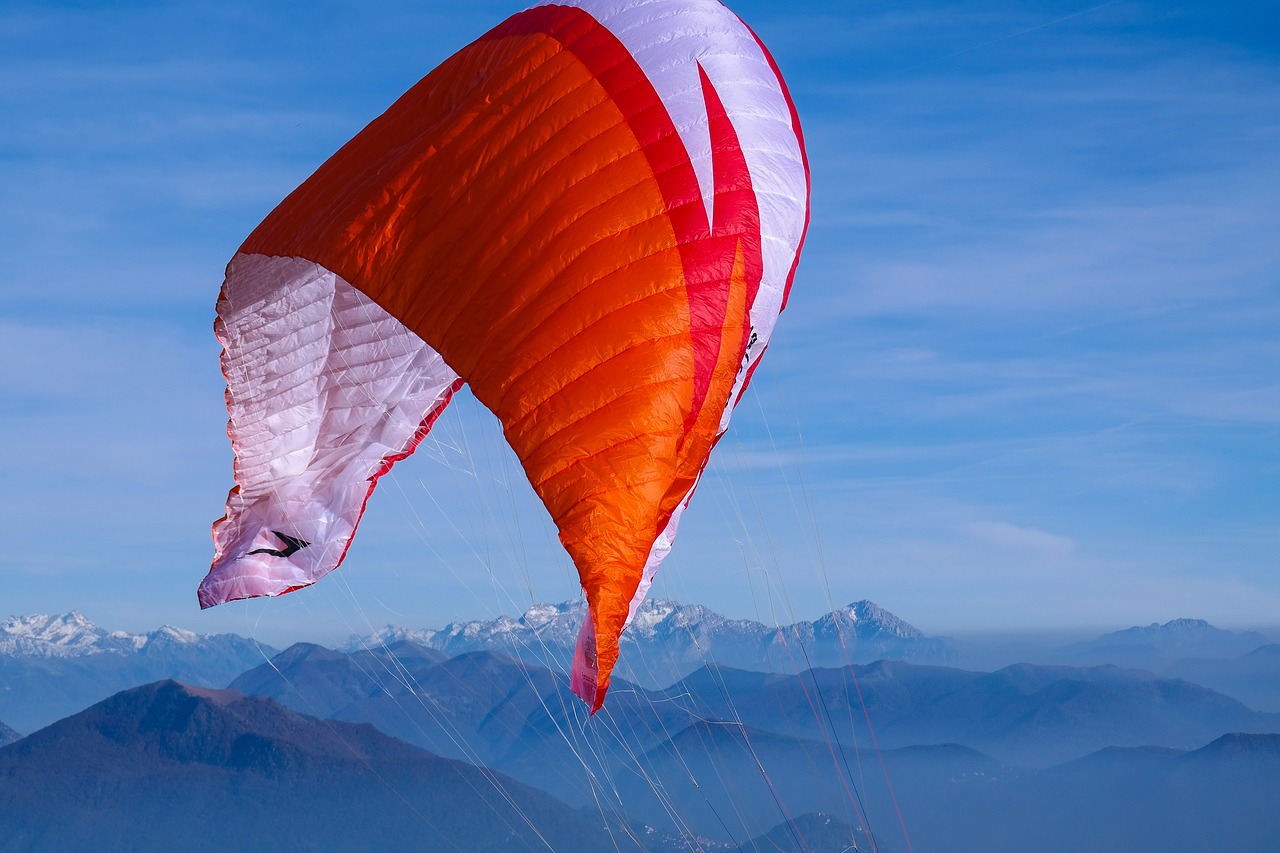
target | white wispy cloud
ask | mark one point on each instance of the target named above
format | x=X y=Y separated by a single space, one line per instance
x=1006 y=535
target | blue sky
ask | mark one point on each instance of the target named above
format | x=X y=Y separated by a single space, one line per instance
x=1029 y=376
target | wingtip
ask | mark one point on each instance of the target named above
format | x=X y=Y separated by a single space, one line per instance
x=588 y=691
x=584 y=677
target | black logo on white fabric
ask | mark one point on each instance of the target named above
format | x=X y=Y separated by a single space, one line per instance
x=292 y=545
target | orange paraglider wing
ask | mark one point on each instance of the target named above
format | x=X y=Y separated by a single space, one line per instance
x=599 y=248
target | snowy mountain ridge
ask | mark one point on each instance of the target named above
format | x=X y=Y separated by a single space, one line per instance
x=51 y=666
x=559 y=623
x=72 y=635
x=667 y=639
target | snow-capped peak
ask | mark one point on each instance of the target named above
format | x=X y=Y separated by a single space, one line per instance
x=73 y=635
x=49 y=628
x=540 y=615
x=867 y=616
x=170 y=634
x=64 y=635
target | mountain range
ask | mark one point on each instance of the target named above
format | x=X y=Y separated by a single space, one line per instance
x=895 y=755
x=52 y=666
x=1156 y=646
x=1253 y=678
x=950 y=799
x=666 y=640
x=522 y=719
x=168 y=767
x=1243 y=664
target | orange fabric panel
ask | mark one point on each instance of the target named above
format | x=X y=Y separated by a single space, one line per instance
x=505 y=210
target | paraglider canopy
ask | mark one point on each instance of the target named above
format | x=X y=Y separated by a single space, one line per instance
x=592 y=216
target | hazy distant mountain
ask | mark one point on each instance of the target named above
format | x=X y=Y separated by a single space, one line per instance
x=521 y=718
x=52 y=666
x=1155 y=646
x=721 y=778
x=1243 y=665
x=482 y=707
x=7 y=735
x=463 y=707
x=713 y=778
x=667 y=640
x=1025 y=715
x=1138 y=800
x=168 y=767
x=1253 y=678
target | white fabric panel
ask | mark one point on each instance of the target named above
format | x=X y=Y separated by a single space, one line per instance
x=324 y=388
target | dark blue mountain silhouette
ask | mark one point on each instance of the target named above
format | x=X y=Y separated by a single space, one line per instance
x=168 y=767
